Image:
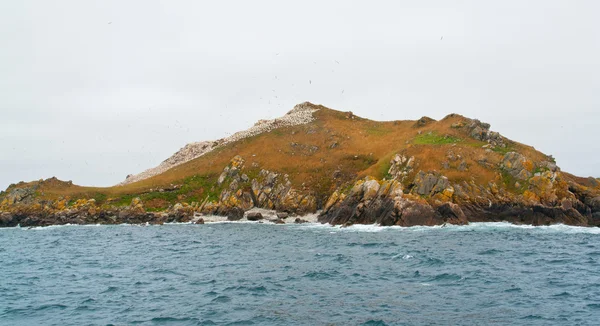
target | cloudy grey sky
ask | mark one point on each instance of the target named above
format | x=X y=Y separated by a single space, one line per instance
x=91 y=91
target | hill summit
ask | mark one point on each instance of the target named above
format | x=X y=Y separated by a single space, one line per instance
x=337 y=166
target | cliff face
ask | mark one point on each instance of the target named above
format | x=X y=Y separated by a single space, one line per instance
x=349 y=169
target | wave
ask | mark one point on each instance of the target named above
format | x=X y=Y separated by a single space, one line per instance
x=369 y=228
x=474 y=226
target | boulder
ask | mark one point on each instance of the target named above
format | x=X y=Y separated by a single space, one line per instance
x=235 y=214
x=254 y=216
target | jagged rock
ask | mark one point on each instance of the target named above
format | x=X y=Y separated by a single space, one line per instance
x=401 y=166
x=425 y=183
x=517 y=166
x=452 y=213
x=282 y=215
x=370 y=189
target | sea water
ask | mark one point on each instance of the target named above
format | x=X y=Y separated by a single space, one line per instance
x=310 y=274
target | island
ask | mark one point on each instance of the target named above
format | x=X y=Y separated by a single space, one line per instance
x=335 y=166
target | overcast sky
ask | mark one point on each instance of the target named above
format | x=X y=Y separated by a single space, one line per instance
x=91 y=91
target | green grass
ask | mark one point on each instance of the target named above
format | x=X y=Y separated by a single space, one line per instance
x=384 y=167
x=124 y=200
x=503 y=150
x=432 y=138
x=193 y=189
x=100 y=198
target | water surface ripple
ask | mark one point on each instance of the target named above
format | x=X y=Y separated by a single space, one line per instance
x=251 y=274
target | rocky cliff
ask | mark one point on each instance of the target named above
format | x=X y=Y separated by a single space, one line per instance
x=347 y=169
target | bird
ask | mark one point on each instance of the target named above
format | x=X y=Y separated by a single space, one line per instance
x=337 y=62
x=441 y=38
x=310 y=81
x=109 y=23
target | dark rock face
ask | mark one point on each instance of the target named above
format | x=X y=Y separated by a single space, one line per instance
x=434 y=201
x=254 y=216
x=386 y=205
x=235 y=214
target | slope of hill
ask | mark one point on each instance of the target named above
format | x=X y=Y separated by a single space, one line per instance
x=349 y=169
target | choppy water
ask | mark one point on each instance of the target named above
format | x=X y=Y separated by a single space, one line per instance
x=251 y=274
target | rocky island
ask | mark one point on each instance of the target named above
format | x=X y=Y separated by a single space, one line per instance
x=344 y=168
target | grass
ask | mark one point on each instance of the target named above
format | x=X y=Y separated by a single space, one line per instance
x=432 y=138
x=365 y=147
x=503 y=150
x=377 y=130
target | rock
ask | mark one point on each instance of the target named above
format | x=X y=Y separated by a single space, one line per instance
x=517 y=166
x=279 y=221
x=6 y=219
x=235 y=214
x=200 y=221
x=137 y=206
x=282 y=215
x=300 y=221
x=254 y=216
x=452 y=213
x=423 y=122
x=425 y=183
x=370 y=189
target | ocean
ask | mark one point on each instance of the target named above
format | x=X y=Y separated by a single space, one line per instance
x=309 y=274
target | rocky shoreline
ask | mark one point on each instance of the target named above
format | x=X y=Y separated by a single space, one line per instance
x=429 y=200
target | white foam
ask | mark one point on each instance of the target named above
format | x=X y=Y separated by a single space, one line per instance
x=370 y=228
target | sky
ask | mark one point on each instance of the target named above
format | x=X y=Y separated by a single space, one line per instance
x=91 y=91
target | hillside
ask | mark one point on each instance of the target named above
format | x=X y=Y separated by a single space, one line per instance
x=352 y=170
